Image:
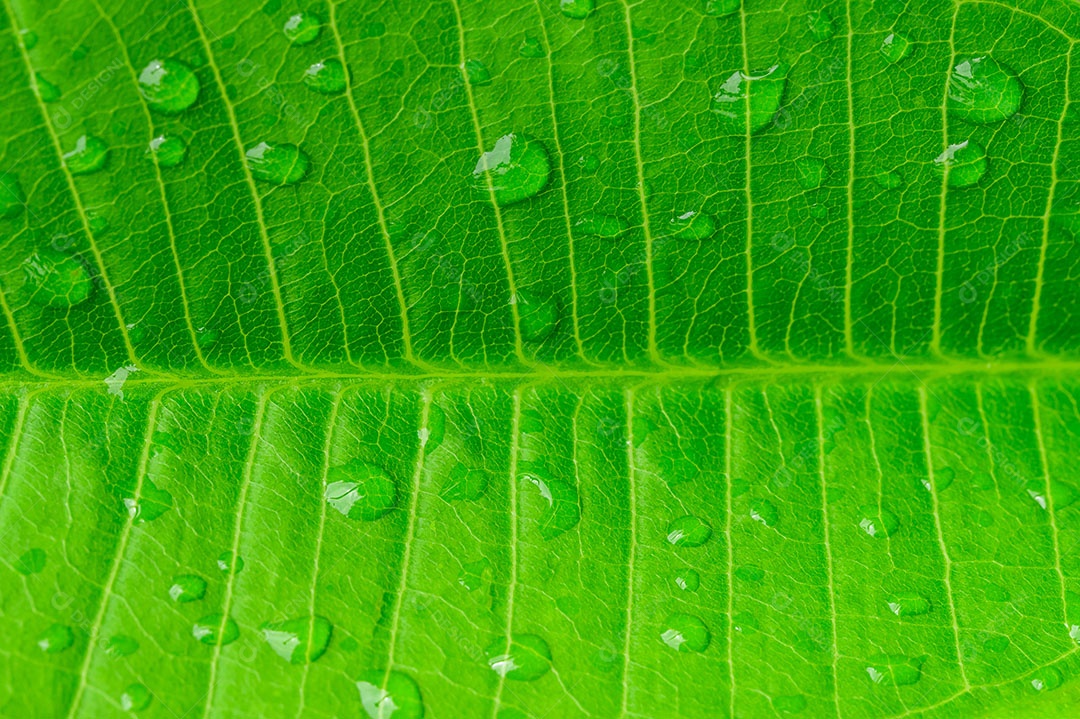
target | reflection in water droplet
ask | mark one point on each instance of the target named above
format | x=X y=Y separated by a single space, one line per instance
x=878 y=522
x=604 y=226
x=299 y=640
x=944 y=477
x=688 y=531
x=302 y=28
x=821 y=25
x=744 y=622
x=473 y=575
x=908 y=604
x=12 y=198
x=982 y=90
x=432 y=435
x=136 y=697
x=895 y=47
x=57 y=279
x=965 y=162
x=766 y=89
x=168 y=86
x=685 y=633
x=88 y=156
x=227 y=563
x=577 y=9
x=210 y=630
x=360 y=490
x=764 y=511
x=121 y=645
x=537 y=315
x=688 y=580
x=187 y=588
x=279 y=164
x=30 y=562
x=477 y=73
x=721 y=8
x=1064 y=495
x=789 y=703
x=894 y=669
x=559 y=499
x=55 y=639
x=151 y=504
x=393 y=695
x=528 y=657
x=1046 y=679
x=167 y=151
x=810 y=172
x=517 y=168
x=327 y=77
x=691 y=226
x=464 y=482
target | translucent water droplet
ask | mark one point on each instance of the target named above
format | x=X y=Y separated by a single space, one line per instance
x=810 y=172
x=121 y=645
x=944 y=477
x=187 y=588
x=789 y=703
x=299 y=640
x=360 y=491
x=685 y=633
x=279 y=164
x=167 y=150
x=589 y=163
x=12 y=197
x=527 y=658
x=55 y=639
x=688 y=531
x=687 y=580
x=211 y=630
x=302 y=28
x=744 y=622
x=477 y=73
x=206 y=337
x=30 y=562
x=327 y=77
x=764 y=511
x=473 y=575
x=691 y=225
x=820 y=25
x=168 y=86
x=436 y=428
x=1046 y=679
x=966 y=163
x=400 y=699
x=560 y=501
x=878 y=522
x=47 y=91
x=889 y=180
x=57 y=279
x=531 y=48
x=750 y=573
x=517 y=168
x=88 y=156
x=577 y=9
x=604 y=226
x=720 y=8
x=135 y=697
x=908 y=604
x=766 y=90
x=29 y=39
x=895 y=47
x=1064 y=495
x=982 y=90
x=151 y=504
x=464 y=483
x=227 y=563
x=99 y=224
x=80 y=52
x=894 y=669
x=537 y=315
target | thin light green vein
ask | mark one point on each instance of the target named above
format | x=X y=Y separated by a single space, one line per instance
x=820 y=419
x=747 y=189
x=1044 y=467
x=935 y=340
x=849 y=342
x=515 y=431
x=728 y=435
x=630 y=471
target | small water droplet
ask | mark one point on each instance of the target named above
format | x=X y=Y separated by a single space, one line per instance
x=531 y=48
x=98 y=224
x=88 y=156
x=121 y=645
x=167 y=150
x=436 y=427
x=691 y=225
x=473 y=575
x=57 y=279
x=136 y=697
x=168 y=86
x=12 y=197
x=47 y=91
x=810 y=172
x=764 y=511
x=280 y=164
x=589 y=163
x=464 y=483
x=187 y=588
x=302 y=28
x=537 y=315
x=327 y=77
x=227 y=563
x=739 y=487
x=361 y=491
x=750 y=573
x=400 y=699
x=528 y=657
x=688 y=580
x=30 y=562
x=878 y=522
x=688 y=531
x=299 y=640
x=996 y=644
x=1046 y=679
x=982 y=90
x=908 y=604
x=820 y=25
x=744 y=622
x=477 y=73
x=720 y=8
x=604 y=226
x=560 y=501
x=895 y=47
x=888 y=180
x=56 y=639
x=894 y=669
x=766 y=90
x=211 y=630
x=80 y=52
x=685 y=633
x=151 y=504
x=789 y=703
x=517 y=168
x=577 y=9
x=944 y=477
x=206 y=337
x=966 y=163
x=29 y=39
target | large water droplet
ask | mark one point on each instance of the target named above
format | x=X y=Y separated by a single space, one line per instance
x=982 y=90
x=360 y=490
x=302 y=28
x=211 y=630
x=400 y=699
x=473 y=574
x=604 y=226
x=560 y=500
x=764 y=511
x=187 y=588
x=477 y=73
x=688 y=531
x=685 y=633
x=908 y=604
x=965 y=161
x=47 y=91
x=537 y=315
x=57 y=279
x=30 y=562
x=151 y=504
x=517 y=168
x=750 y=573
x=464 y=482
x=720 y=8
x=167 y=150
x=88 y=156
x=279 y=164
x=1046 y=679
x=528 y=657
x=1063 y=494
x=894 y=669
x=56 y=638
x=895 y=47
x=168 y=86
x=766 y=89
x=888 y=180
x=327 y=77
x=878 y=522
x=121 y=645
x=135 y=697
x=298 y=640
x=577 y=9
x=688 y=580
x=12 y=198
x=227 y=563
x=691 y=225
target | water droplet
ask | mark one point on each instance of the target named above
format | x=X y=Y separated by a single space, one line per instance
x=528 y=658
x=691 y=226
x=477 y=73
x=744 y=622
x=309 y=635
x=151 y=504
x=279 y=164
x=360 y=491
x=537 y=315
x=821 y=25
x=996 y=644
x=210 y=630
x=227 y=563
x=302 y=28
x=894 y=669
x=327 y=77
x=531 y=48
x=30 y=562
x=167 y=151
x=121 y=645
x=517 y=168
x=766 y=89
x=80 y=52
x=56 y=639
x=135 y=698
x=168 y=86
x=47 y=91
x=966 y=163
x=908 y=604
x=1063 y=494
x=400 y=699
x=750 y=573
x=89 y=155
x=464 y=482
x=436 y=428
x=996 y=593
x=98 y=224
x=895 y=47
x=982 y=90
x=944 y=477
x=589 y=163
x=685 y=633
x=720 y=8
x=810 y=172
x=206 y=337
x=688 y=531
x=764 y=511
x=878 y=522
x=688 y=580
x=29 y=39
x=473 y=575
x=560 y=501
x=12 y=197
x=1046 y=679
x=789 y=703
x=888 y=180
x=577 y=9
x=187 y=588
x=57 y=279
x=604 y=226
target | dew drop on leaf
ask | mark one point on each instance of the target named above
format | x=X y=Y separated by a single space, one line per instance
x=187 y=588
x=888 y=180
x=577 y=9
x=464 y=483
x=29 y=39
x=135 y=697
x=12 y=198
x=538 y=315
x=302 y=28
x=894 y=669
x=211 y=630
x=691 y=225
x=908 y=604
x=685 y=633
x=121 y=645
x=1064 y=495
x=789 y=703
x=687 y=580
x=473 y=574
x=982 y=90
x=527 y=658
x=57 y=279
x=360 y=490
x=996 y=644
x=390 y=695
x=766 y=89
x=744 y=622
x=559 y=501
x=280 y=164
x=688 y=531
x=895 y=47
x=88 y=155
x=821 y=25
x=299 y=640
x=30 y=562
x=55 y=639
x=167 y=150
x=531 y=48
x=327 y=77
x=720 y=8
x=517 y=168
x=151 y=504
x=1046 y=679
x=944 y=477
x=477 y=73
x=596 y=225
x=878 y=522
x=436 y=428
x=47 y=91
x=168 y=86
x=764 y=511
x=227 y=563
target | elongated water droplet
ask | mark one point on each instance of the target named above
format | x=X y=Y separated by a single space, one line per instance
x=766 y=89
x=604 y=226
x=464 y=483
x=820 y=25
x=47 y=91
x=894 y=669
x=168 y=86
x=789 y=703
x=227 y=563
x=878 y=522
x=685 y=633
x=908 y=604
x=211 y=630
x=393 y=695
x=720 y=8
x=688 y=580
x=750 y=573
x=302 y=28
x=432 y=435
x=30 y=562
x=88 y=156
x=527 y=658
x=531 y=48
x=57 y=279
x=360 y=490
x=895 y=47
x=982 y=90
x=136 y=697
x=151 y=504
x=279 y=164
x=187 y=588
x=12 y=198
x=327 y=77
x=1064 y=495
x=559 y=500
x=691 y=225
x=299 y=640
x=688 y=531
x=121 y=645
x=810 y=172
x=944 y=477
x=29 y=39
x=966 y=163
x=764 y=511
x=517 y=168
x=473 y=575
x=477 y=73
x=167 y=150
x=55 y=639
x=537 y=315
x=577 y=9
x=1046 y=679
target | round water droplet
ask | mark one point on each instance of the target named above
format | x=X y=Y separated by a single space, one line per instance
x=211 y=630
x=436 y=428
x=764 y=511
x=121 y=645
x=88 y=156
x=766 y=90
x=227 y=563
x=577 y=9
x=744 y=622
x=531 y=48
x=944 y=477
x=908 y=604
x=965 y=162
x=559 y=500
x=604 y=226
x=56 y=639
x=982 y=90
x=996 y=644
x=29 y=39
x=688 y=531
x=57 y=279
x=300 y=640
x=517 y=168
x=895 y=47
x=206 y=337
x=789 y=703
x=720 y=8
x=685 y=633
x=750 y=573
x=187 y=588
x=360 y=490
x=691 y=226
x=537 y=315
x=12 y=198
x=888 y=180
x=167 y=151
x=98 y=225
x=302 y=28
x=390 y=695
x=527 y=658
x=151 y=504
x=168 y=86
x=464 y=483
x=894 y=669
x=688 y=580
x=327 y=77
x=810 y=172
x=477 y=73
x=473 y=575
x=136 y=697
x=1046 y=679
x=820 y=25
x=47 y=91
x=30 y=562
x=878 y=522
x=279 y=164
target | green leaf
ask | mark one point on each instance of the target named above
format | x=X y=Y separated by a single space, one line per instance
x=540 y=358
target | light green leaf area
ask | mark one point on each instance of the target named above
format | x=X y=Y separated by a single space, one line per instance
x=539 y=359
